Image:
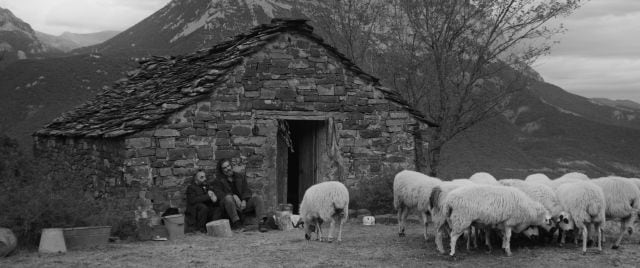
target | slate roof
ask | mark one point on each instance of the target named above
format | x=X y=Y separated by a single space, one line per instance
x=162 y=86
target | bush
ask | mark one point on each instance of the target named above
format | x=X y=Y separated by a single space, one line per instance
x=376 y=194
x=33 y=199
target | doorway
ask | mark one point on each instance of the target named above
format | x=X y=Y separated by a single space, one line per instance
x=299 y=159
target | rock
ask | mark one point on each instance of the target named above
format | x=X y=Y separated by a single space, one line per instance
x=219 y=228
x=353 y=213
x=363 y=212
x=8 y=242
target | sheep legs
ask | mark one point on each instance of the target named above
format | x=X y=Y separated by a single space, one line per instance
x=487 y=239
x=426 y=223
x=585 y=232
x=318 y=232
x=440 y=228
x=506 y=241
x=455 y=234
x=598 y=228
x=626 y=225
x=403 y=212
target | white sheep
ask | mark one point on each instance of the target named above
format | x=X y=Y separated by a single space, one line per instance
x=411 y=191
x=635 y=181
x=585 y=203
x=507 y=208
x=325 y=201
x=542 y=193
x=438 y=216
x=538 y=192
x=538 y=178
x=484 y=178
x=568 y=178
x=574 y=175
x=622 y=198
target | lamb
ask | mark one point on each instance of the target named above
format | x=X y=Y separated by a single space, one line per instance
x=484 y=178
x=411 y=190
x=506 y=207
x=585 y=203
x=538 y=178
x=436 y=201
x=325 y=201
x=622 y=199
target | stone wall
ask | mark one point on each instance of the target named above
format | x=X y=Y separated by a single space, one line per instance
x=97 y=162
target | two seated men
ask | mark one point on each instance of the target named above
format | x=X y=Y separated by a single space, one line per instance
x=227 y=196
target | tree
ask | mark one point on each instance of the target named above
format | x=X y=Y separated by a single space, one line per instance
x=351 y=26
x=459 y=62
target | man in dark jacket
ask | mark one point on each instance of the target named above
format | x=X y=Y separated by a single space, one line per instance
x=202 y=204
x=235 y=196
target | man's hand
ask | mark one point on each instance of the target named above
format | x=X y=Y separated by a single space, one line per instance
x=243 y=205
x=237 y=201
x=213 y=196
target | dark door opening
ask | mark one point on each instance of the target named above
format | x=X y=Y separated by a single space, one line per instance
x=302 y=162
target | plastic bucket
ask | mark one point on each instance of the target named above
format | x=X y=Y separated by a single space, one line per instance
x=52 y=241
x=175 y=226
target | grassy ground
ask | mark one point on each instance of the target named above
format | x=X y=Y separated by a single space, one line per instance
x=370 y=246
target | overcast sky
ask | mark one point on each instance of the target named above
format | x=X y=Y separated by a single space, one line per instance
x=599 y=56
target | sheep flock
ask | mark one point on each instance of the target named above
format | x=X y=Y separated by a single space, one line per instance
x=481 y=207
x=542 y=209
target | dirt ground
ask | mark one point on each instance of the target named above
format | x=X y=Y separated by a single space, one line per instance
x=362 y=246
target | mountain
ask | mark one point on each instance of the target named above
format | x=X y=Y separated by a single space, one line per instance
x=619 y=104
x=68 y=41
x=545 y=129
x=18 y=40
x=185 y=26
x=34 y=92
x=533 y=135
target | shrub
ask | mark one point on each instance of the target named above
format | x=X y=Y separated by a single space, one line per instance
x=33 y=199
x=376 y=194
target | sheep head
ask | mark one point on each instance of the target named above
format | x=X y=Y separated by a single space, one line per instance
x=565 y=222
x=310 y=227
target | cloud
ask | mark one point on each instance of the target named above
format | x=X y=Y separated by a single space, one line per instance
x=57 y=16
x=601 y=36
x=593 y=76
x=598 y=56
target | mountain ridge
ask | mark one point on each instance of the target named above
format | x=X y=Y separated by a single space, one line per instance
x=545 y=128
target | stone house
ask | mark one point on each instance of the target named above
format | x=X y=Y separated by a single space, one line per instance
x=287 y=108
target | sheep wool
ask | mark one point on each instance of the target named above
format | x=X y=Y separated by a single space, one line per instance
x=322 y=202
x=436 y=202
x=506 y=207
x=538 y=192
x=411 y=191
x=622 y=199
x=575 y=175
x=538 y=178
x=484 y=178
x=585 y=203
